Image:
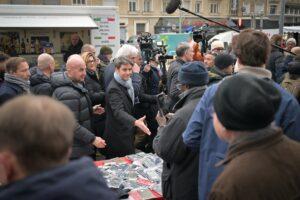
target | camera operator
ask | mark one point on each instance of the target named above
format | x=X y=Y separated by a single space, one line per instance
x=147 y=106
x=184 y=54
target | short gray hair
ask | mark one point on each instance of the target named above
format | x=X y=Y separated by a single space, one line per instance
x=182 y=48
x=44 y=60
x=88 y=48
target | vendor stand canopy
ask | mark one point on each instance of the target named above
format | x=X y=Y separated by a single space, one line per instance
x=46 y=21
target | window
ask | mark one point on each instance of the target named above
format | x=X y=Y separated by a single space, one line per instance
x=214 y=8
x=186 y=4
x=140 y=27
x=273 y=9
x=19 y=2
x=53 y=2
x=132 y=5
x=198 y=6
x=259 y=6
x=79 y=2
x=147 y=5
x=164 y=5
x=246 y=8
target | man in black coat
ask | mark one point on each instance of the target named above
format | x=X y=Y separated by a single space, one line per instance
x=40 y=83
x=35 y=147
x=69 y=89
x=180 y=168
x=184 y=53
x=276 y=59
x=120 y=122
x=75 y=47
x=16 y=79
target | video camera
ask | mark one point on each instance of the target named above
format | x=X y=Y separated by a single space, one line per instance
x=149 y=50
x=199 y=34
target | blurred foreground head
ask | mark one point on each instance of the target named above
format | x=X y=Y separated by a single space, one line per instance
x=36 y=133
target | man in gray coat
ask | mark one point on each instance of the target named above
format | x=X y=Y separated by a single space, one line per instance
x=184 y=53
x=69 y=89
x=180 y=169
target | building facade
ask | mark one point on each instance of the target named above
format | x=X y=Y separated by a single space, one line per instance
x=138 y=16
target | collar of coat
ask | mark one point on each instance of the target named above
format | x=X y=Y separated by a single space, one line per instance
x=259 y=72
x=190 y=94
x=252 y=141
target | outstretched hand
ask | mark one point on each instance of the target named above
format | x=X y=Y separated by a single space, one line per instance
x=140 y=124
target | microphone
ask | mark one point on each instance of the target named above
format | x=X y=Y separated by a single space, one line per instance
x=172 y=6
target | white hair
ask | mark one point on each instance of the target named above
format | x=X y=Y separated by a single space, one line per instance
x=127 y=50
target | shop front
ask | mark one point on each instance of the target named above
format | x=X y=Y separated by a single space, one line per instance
x=28 y=31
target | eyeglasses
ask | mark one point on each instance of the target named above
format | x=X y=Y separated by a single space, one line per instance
x=91 y=61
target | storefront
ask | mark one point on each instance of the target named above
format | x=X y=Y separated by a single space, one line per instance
x=28 y=31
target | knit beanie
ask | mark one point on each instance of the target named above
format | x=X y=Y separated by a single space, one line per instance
x=193 y=73
x=223 y=61
x=246 y=103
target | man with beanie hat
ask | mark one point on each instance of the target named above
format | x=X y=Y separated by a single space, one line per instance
x=252 y=49
x=261 y=163
x=180 y=169
x=223 y=67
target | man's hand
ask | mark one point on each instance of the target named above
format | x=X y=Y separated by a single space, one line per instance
x=161 y=120
x=140 y=124
x=147 y=68
x=136 y=68
x=98 y=110
x=99 y=142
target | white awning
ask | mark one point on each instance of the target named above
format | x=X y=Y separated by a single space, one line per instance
x=292 y=29
x=46 y=21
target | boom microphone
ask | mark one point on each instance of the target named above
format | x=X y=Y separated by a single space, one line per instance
x=172 y=6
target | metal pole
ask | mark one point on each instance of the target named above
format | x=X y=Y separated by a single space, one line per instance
x=261 y=21
x=180 y=21
x=281 y=19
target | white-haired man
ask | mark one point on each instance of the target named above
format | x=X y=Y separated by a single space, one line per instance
x=132 y=53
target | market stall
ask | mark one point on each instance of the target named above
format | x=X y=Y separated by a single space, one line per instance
x=29 y=30
x=139 y=175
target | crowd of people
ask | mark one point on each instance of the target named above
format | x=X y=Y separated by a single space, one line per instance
x=228 y=126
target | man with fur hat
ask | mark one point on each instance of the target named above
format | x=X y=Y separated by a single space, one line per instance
x=261 y=163
x=180 y=169
x=252 y=50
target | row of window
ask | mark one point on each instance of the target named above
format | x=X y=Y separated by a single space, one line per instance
x=133 y=6
x=48 y=2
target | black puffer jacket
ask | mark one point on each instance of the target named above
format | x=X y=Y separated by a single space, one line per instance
x=76 y=98
x=40 y=84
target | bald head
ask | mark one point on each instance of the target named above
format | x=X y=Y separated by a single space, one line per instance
x=76 y=68
x=88 y=48
x=46 y=63
x=296 y=50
